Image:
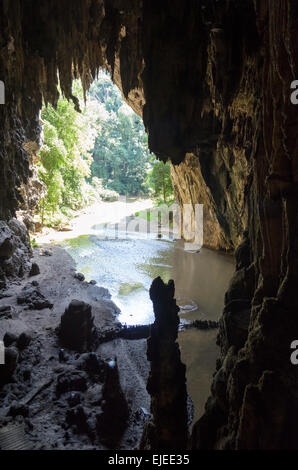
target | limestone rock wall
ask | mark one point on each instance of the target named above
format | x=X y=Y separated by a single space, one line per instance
x=34 y=190
x=191 y=189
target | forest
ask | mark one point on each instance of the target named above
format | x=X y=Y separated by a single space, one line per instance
x=100 y=153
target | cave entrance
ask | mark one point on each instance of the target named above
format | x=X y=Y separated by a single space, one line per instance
x=104 y=190
x=101 y=187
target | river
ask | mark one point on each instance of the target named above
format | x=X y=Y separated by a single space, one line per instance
x=126 y=266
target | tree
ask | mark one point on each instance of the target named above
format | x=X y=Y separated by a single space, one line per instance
x=159 y=179
x=105 y=143
x=120 y=156
x=64 y=158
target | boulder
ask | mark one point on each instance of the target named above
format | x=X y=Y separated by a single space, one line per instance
x=6 y=241
x=20 y=230
x=71 y=381
x=6 y=311
x=45 y=253
x=76 y=329
x=93 y=365
x=9 y=339
x=15 y=250
x=34 y=299
x=34 y=271
x=23 y=340
x=79 y=276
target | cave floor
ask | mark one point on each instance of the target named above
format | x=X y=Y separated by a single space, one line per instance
x=33 y=389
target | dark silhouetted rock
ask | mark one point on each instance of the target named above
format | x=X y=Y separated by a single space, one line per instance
x=27 y=374
x=34 y=271
x=76 y=329
x=166 y=383
x=74 y=399
x=112 y=422
x=79 y=276
x=24 y=340
x=70 y=381
x=9 y=339
x=63 y=357
x=93 y=365
x=19 y=409
x=77 y=417
x=11 y=361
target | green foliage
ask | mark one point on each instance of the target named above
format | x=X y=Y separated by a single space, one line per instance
x=105 y=92
x=64 y=158
x=96 y=154
x=120 y=156
x=104 y=193
x=33 y=243
x=159 y=180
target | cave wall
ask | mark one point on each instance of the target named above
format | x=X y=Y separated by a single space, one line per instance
x=212 y=82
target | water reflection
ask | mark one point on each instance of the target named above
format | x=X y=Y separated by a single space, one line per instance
x=126 y=266
x=200 y=278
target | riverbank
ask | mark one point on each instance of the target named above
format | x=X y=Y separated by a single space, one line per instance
x=98 y=213
x=31 y=396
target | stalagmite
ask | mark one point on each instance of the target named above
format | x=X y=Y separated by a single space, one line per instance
x=166 y=382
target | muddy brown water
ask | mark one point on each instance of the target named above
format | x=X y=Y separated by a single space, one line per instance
x=126 y=266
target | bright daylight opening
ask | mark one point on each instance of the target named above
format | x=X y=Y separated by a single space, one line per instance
x=101 y=188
